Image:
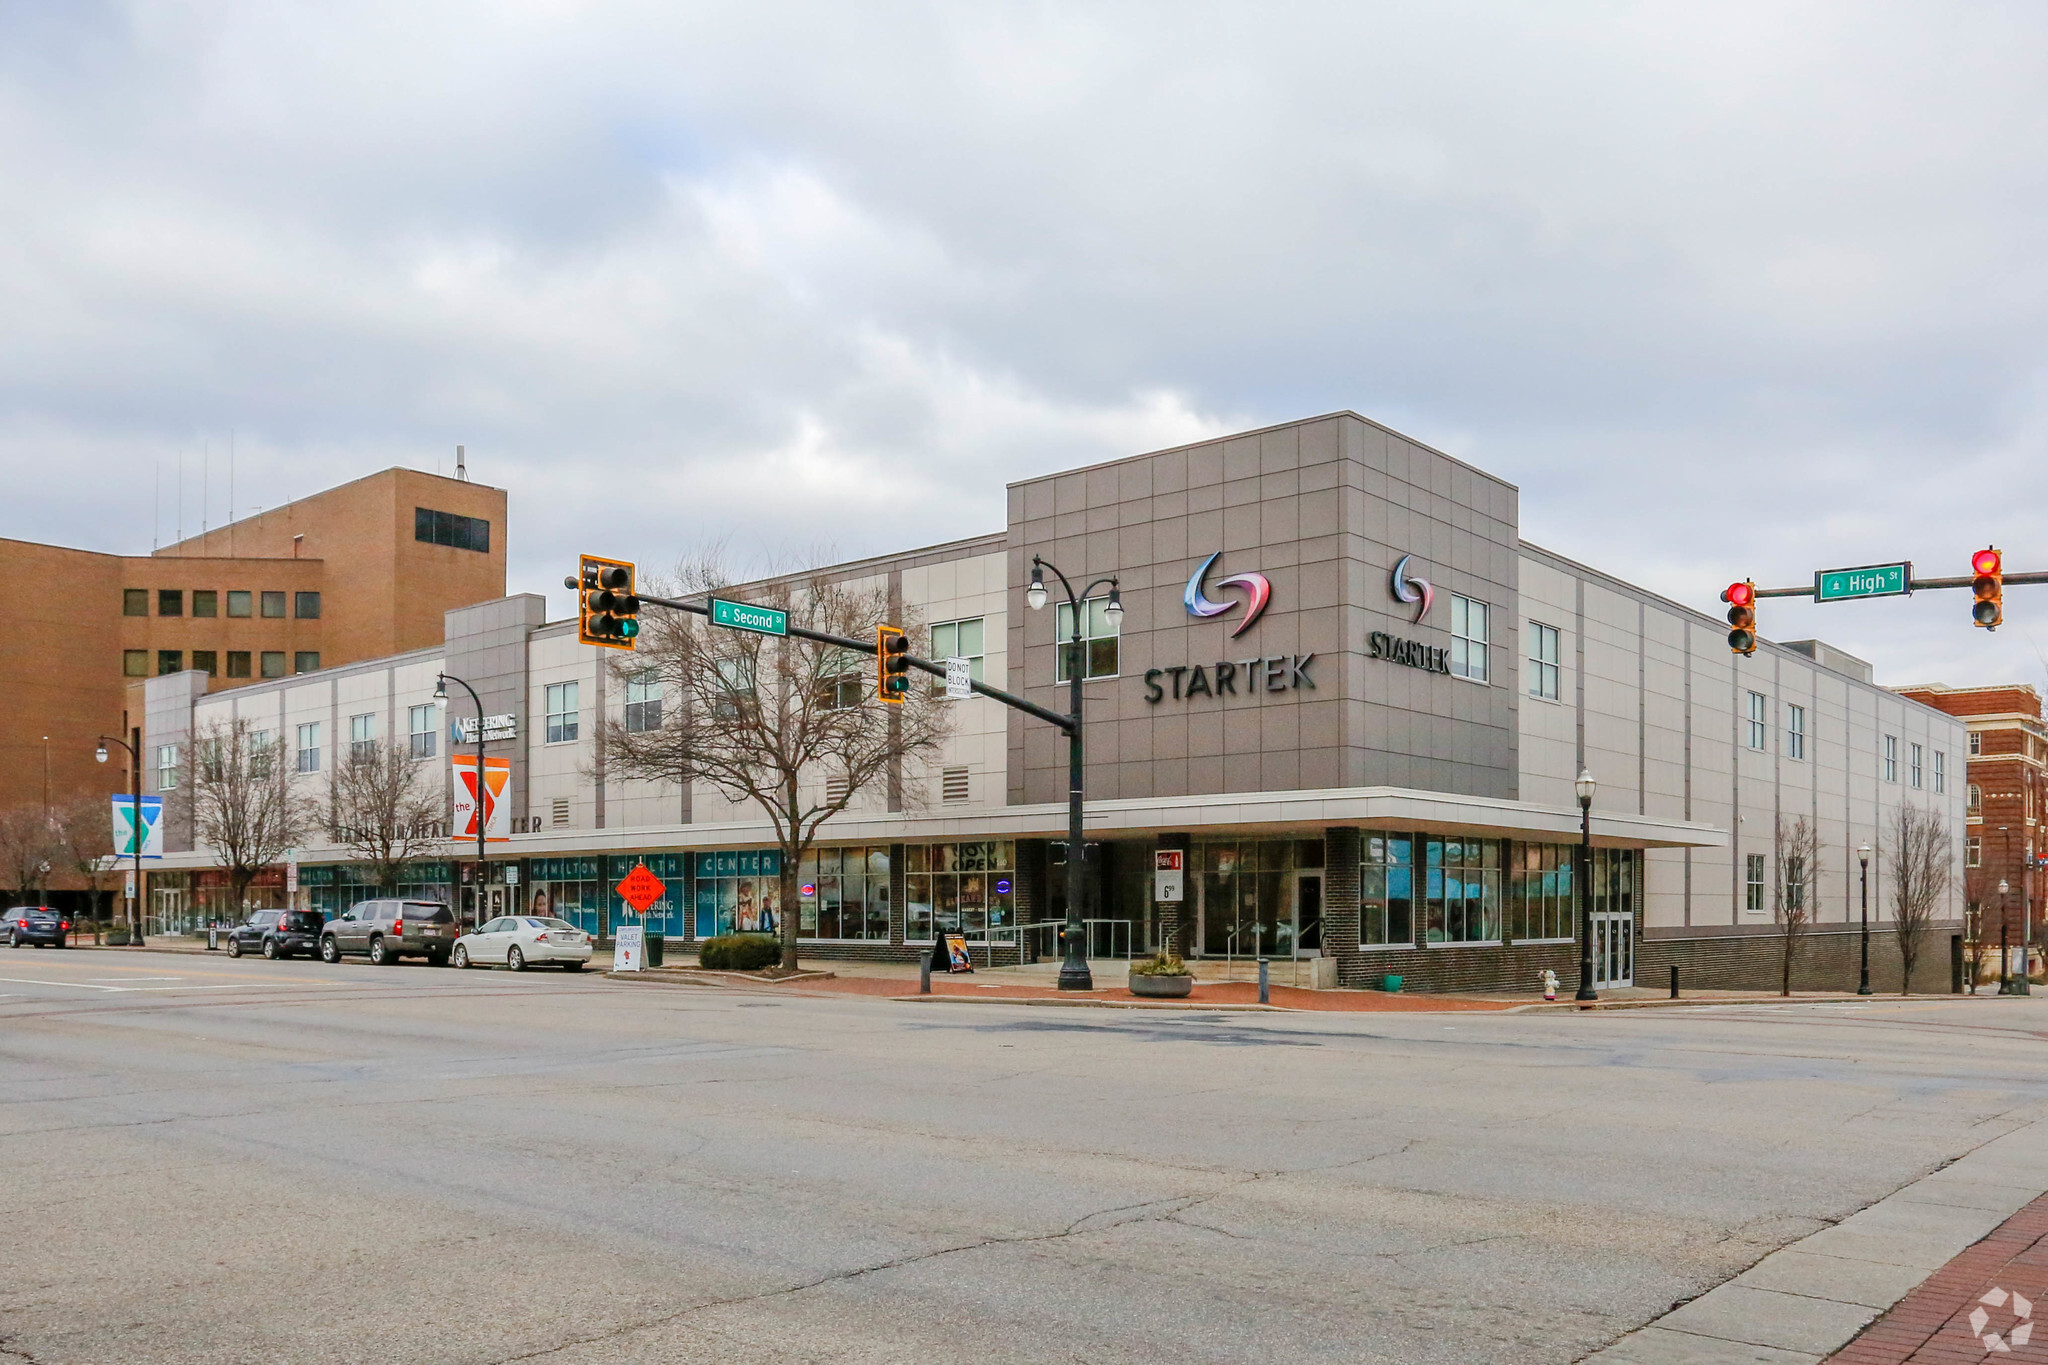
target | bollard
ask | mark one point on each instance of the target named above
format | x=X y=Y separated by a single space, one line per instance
x=1674 y=981
x=924 y=974
x=1955 y=964
x=1265 y=994
x=212 y=937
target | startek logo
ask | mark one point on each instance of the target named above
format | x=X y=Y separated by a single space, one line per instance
x=1258 y=592
x=1408 y=588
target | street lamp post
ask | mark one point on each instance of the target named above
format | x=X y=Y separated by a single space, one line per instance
x=1074 y=973
x=1863 y=976
x=2004 y=944
x=441 y=681
x=135 y=815
x=1584 y=787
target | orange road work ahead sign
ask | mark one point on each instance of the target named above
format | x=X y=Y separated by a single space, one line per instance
x=641 y=888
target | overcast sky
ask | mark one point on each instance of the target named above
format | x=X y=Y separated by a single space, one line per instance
x=1728 y=290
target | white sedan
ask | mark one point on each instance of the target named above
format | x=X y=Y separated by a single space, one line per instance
x=522 y=941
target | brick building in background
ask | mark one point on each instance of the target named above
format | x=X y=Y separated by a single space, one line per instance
x=358 y=571
x=2008 y=777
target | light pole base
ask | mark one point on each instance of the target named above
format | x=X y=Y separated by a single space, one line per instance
x=1587 y=993
x=1075 y=976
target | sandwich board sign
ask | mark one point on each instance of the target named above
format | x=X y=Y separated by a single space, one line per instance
x=628 y=944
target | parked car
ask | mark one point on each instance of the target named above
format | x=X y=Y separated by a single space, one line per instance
x=522 y=941
x=387 y=930
x=277 y=933
x=37 y=924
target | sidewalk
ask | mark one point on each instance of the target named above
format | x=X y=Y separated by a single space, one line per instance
x=1948 y=1268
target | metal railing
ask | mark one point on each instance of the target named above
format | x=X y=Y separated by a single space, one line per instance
x=1040 y=942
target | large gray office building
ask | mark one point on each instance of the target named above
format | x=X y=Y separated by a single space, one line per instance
x=1342 y=686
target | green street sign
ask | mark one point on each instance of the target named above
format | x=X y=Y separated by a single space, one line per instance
x=747 y=616
x=1872 y=580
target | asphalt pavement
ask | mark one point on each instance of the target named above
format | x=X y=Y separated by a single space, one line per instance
x=213 y=1160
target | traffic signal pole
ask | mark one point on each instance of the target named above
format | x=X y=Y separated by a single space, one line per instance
x=1915 y=584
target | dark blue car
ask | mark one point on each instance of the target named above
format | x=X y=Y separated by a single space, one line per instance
x=37 y=924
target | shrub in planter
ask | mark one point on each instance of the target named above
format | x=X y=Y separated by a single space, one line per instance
x=117 y=937
x=1160 y=964
x=1162 y=976
x=739 y=952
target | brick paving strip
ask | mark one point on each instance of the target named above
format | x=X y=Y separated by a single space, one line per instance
x=1898 y=1281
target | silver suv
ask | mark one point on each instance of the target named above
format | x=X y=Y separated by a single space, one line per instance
x=386 y=930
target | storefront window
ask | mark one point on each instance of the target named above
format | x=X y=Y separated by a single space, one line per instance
x=965 y=888
x=1251 y=898
x=1386 y=891
x=1540 y=904
x=850 y=894
x=738 y=892
x=1462 y=890
x=665 y=916
x=572 y=889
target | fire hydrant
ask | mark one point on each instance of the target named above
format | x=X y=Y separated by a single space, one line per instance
x=1549 y=984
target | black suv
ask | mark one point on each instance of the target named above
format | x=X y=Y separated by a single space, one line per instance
x=37 y=924
x=277 y=933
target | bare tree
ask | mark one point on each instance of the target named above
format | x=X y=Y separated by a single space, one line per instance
x=1919 y=860
x=1978 y=889
x=85 y=831
x=28 y=848
x=783 y=724
x=244 y=803
x=387 y=813
x=1797 y=850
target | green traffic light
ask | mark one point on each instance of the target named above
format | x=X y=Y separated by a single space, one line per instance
x=628 y=628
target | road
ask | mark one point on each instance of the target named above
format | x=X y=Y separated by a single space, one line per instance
x=212 y=1160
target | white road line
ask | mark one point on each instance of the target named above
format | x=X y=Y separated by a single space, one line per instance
x=74 y=985
x=89 y=986
x=135 y=978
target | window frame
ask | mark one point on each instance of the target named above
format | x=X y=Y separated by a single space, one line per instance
x=1973 y=851
x=267 y=598
x=170 y=601
x=306 y=661
x=950 y=631
x=169 y=661
x=1973 y=799
x=423 y=741
x=247 y=661
x=644 y=690
x=263 y=659
x=1758 y=721
x=1976 y=744
x=205 y=603
x=206 y=661
x=1098 y=629
x=1755 y=881
x=1546 y=674
x=1795 y=730
x=301 y=600
x=362 y=736
x=1941 y=772
x=562 y=705
x=134 y=598
x=1891 y=759
x=134 y=663
x=167 y=767
x=308 y=754
x=1463 y=643
x=244 y=598
x=1916 y=760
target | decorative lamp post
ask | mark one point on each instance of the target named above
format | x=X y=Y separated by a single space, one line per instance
x=2004 y=944
x=135 y=815
x=1074 y=973
x=1863 y=976
x=1584 y=787
x=441 y=681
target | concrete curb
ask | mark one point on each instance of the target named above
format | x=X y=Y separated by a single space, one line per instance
x=658 y=977
x=1108 y=1004
x=1573 y=1007
x=1805 y=1301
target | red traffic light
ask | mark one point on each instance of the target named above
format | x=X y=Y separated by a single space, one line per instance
x=1740 y=595
x=1985 y=562
x=1741 y=600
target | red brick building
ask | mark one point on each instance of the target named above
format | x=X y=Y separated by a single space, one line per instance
x=2008 y=777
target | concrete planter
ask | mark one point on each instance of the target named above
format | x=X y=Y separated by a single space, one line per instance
x=1162 y=987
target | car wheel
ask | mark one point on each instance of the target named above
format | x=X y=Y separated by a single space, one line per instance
x=379 y=955
x=234 y=947
x=16 y=938
x=572 y=966
x=461 y=958
x=270 y=949
x=515 y=959
x=330 y=951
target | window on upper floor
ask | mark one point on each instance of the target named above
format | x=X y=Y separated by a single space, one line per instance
x=362 y=737
x=170 y=661
x=272 y=663
x=563 y=714
x=1100 y=632
x=643 y=702
x=1913 y=764
x=170 y=601
x=841 y=691
x=272 y=604
x=166 y=767
x=238 y=663
x=735 y=687
x=207 y=661
x=1976 y=797
x=134 y=663
x=1976 y=744
x=1891 y=758
x=309 y=747
x=1543 y=661
x=135 y=601
x=959 y=640
x=1753 y=883
x=205 y=602
x=422 y=724
x=240 y=602
x=259 y=753
x=1759 y=729
x=1795 y=732
x=306 y=605
x=1940 y=771
x=1469 y=637
x=1973 y=852
x=451 y=529
x=306 y=661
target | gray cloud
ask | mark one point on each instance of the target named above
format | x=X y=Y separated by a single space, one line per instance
x=662 y=267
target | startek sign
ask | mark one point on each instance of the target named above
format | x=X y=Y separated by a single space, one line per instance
x=1258 y=592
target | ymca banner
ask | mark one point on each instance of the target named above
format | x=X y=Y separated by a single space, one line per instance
x=497 y=798
x=152 y=826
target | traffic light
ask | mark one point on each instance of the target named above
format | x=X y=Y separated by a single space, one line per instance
x=608 y=611
x=1989 y=567
x=1741 y=600
x=892 y=664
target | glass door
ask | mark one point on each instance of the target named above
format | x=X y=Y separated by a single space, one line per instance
x=1308 y=911
x=1614 y=954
